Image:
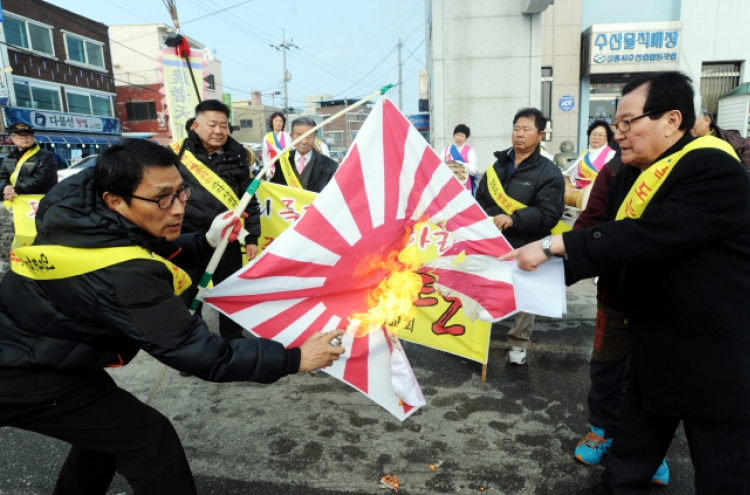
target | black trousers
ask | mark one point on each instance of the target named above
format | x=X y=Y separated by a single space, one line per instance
x=608 y=369
x=230 y=262
x=720 y=450
x=110 y=431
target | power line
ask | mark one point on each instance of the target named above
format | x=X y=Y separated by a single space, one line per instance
x=217 y=12
x=371 y=71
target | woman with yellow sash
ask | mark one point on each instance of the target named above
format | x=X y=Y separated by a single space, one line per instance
x=583 y=172
x=276 y=140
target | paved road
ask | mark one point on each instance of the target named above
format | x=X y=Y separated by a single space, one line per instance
x=305 y=435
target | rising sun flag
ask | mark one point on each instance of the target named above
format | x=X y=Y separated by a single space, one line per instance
x=353 y=260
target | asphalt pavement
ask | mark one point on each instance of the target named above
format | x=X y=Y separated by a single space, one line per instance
x=313 y=435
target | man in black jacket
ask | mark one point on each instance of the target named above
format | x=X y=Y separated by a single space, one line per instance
x=681 y=240
x=522 y=175
x=98 y=285
x=216 y=167
x=312 y=170
x=28 y=169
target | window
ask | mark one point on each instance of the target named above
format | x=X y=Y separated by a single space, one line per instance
x=141 y=110
x=35 y=97
x=718 y=79
x=547 y=92
x=210 y=80
x=29 y=35
x=246 y=124
x=89 y=104
x=83 y=51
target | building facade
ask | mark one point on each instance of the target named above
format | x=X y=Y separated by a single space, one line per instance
x=340 y=133
x=251 y=119
x=571 y=60
x=58 y=77
x=135 y=54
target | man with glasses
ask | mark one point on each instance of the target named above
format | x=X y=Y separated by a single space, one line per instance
x=27 y=169
x=216 y=167
x=99 y=284
x=677 y=230
x=523 y=193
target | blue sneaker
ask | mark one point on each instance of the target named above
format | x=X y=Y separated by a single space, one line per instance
x=661 y=477
x=592 y=447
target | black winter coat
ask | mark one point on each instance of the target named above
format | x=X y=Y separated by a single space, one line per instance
x=37 y=175
x=538 y=184
x=231 y=166
x=321 y=172
x=103 y=318
x=685 y=283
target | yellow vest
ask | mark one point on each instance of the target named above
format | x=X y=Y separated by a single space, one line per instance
x=651 y=179
x=510 y=205
x=59 y=262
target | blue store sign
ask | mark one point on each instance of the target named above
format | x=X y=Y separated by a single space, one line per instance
x=566 y=103
x=44 y=120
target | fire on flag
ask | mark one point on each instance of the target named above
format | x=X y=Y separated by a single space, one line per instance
x=328 y=269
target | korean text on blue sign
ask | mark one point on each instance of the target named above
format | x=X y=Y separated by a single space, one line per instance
x=651 y=46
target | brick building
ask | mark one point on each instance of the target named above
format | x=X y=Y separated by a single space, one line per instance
x=340 y=133
x=137 y=78
x=61 y=81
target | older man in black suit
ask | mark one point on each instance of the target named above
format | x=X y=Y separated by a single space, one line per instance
x=677 y=229
x=309 y=168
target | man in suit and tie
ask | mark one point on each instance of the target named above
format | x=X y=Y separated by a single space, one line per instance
x=306 y=167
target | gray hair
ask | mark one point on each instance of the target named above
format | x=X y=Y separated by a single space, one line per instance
x=303 y=121
x=705 y=113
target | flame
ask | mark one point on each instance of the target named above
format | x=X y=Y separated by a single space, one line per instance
x=390 y=481
x=392 y=300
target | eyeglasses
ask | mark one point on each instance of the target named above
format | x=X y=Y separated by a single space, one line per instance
x=166 y=201
x=625 y=124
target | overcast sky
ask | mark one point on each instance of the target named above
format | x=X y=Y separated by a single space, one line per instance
x=346 y=47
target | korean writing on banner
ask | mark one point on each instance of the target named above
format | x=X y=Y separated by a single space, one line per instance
x=179 y=90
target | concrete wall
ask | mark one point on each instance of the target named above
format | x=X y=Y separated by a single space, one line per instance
x=609 y=12
x=561 y=50
x=485 y=65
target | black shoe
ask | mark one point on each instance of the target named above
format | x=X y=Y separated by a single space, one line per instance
x=185 y=374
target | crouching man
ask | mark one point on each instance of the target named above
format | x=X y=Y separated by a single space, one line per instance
x=100 y=283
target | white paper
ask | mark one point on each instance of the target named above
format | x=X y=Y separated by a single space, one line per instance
x=541 y=292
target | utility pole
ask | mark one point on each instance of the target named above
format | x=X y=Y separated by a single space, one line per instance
x=287 y=76
x=400 y=86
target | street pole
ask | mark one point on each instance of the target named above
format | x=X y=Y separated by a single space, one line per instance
x=286 y=74
x=400 y=86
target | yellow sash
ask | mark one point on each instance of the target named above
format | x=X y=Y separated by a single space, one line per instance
x=510 y=205
x=652 y=178
x=24 y=218
x=289 y=175
x=207 y=178
x=14 y=176
x=58 y=262
x=585 y=170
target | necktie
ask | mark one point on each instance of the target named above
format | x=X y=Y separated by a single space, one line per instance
x=301 y=164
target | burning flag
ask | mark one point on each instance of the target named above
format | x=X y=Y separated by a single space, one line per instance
x=332 y=267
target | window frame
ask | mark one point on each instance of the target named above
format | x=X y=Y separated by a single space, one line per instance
x=147 y=102
x=31 y=83
x=242 y=126
x=26 y=21
x=550 y=82
x=84 y=40
x=88 y=93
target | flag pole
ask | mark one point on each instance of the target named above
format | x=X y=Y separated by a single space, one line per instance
x=244 y=201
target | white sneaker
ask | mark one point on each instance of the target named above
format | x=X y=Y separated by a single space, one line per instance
x=517 y=355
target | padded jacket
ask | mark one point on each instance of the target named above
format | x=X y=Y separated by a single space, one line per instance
x=103 y=318
x=231 y=166
x=37 y=175
x=538 y=184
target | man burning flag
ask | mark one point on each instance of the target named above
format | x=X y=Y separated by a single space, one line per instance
x=335 y=263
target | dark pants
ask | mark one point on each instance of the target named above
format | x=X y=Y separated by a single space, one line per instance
x=230 y=262
x=613 y=342
x=110 y=431
x=720 y=451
